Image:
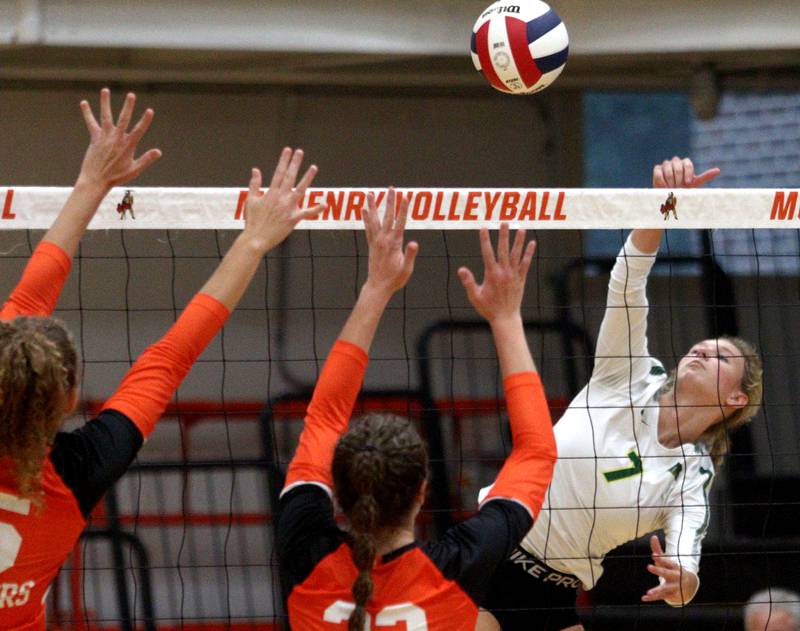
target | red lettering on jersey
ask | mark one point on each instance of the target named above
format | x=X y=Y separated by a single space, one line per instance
x=14 y=594
x=783 y=208
x=7 y=214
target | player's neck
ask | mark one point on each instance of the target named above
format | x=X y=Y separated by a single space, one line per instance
x=681 y=422
x=394 y=539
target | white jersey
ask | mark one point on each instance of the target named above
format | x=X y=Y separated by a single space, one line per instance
x=614 y=481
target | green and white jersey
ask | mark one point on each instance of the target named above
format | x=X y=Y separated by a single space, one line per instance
x=614 y=481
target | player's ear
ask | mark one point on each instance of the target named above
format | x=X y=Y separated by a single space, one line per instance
x=737 y=399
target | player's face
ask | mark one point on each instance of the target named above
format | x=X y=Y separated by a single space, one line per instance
x=714 y=367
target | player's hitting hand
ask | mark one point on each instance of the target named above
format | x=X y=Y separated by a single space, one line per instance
x=679 y=173
x=271 y=216
x=390 y=266
x=500 y=295
x=676 y=585
x=110 y=159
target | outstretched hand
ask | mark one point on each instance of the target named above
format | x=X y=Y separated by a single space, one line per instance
x=110 y=158
x=500 y=294
x=390 y=266
x=679 y=173
x=677 y=585
x=271 y=216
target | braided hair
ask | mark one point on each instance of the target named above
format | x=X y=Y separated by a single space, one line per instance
x=38 y=374
x=379 y=466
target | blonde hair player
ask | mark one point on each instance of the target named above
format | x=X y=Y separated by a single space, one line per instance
x=637 y=451
x=51 y=480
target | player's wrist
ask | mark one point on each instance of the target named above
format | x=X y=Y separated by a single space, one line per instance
x=253 y=245
x=376 y=292
x=92 y=185
x=505 y=321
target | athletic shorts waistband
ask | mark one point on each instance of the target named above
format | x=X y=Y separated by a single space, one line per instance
x=539 y=570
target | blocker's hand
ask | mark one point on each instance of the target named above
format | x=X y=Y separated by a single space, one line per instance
x=500 y=294
x=271 y=216
x=679 y=173
x=109 y=159
x=390 y=266
x=677 y=585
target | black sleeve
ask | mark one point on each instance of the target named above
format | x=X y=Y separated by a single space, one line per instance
x=93 y=457
x=470 y=552
x=306 y=533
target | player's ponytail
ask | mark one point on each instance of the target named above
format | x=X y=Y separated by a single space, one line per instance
x=38 y=373
x=378 y=468
x=717 y=437
x=368 y=467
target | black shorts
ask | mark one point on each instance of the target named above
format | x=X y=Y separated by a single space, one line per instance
x=526 y=594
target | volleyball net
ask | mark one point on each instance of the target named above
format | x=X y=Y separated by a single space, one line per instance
x=185 y=540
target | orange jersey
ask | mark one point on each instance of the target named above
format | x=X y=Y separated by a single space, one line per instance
x=33 y=545
x=431 y=586
x=37 y=292
x=82 y=465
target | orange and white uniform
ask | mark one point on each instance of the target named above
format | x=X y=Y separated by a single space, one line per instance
x=433 y=586
x=82 y=465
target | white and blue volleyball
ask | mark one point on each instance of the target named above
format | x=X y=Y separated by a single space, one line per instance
x=520 y=47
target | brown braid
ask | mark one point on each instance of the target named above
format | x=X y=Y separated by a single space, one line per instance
x=38 y=373
x=378 y=468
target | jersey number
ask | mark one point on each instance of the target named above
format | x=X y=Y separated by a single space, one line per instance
x=413 y=616
x=10 y=539
x=628 y=472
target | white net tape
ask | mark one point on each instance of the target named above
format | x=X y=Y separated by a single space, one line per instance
x=429 y=209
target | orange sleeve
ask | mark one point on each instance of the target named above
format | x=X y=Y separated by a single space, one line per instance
x=328 y=415
x=150 y=383
x=528 y=470
x=37 y=292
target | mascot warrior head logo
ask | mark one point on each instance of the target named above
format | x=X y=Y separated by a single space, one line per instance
x=126 y=205
x=670 y=206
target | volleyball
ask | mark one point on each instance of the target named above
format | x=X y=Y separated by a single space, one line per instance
x=520 y=47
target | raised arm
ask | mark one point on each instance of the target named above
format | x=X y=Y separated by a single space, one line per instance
x=109 y=161
x=622 y=352
x=269 y=218
x=528 y=469
x=390 y=267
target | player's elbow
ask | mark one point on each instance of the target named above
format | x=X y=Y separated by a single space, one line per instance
x=548 y=449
